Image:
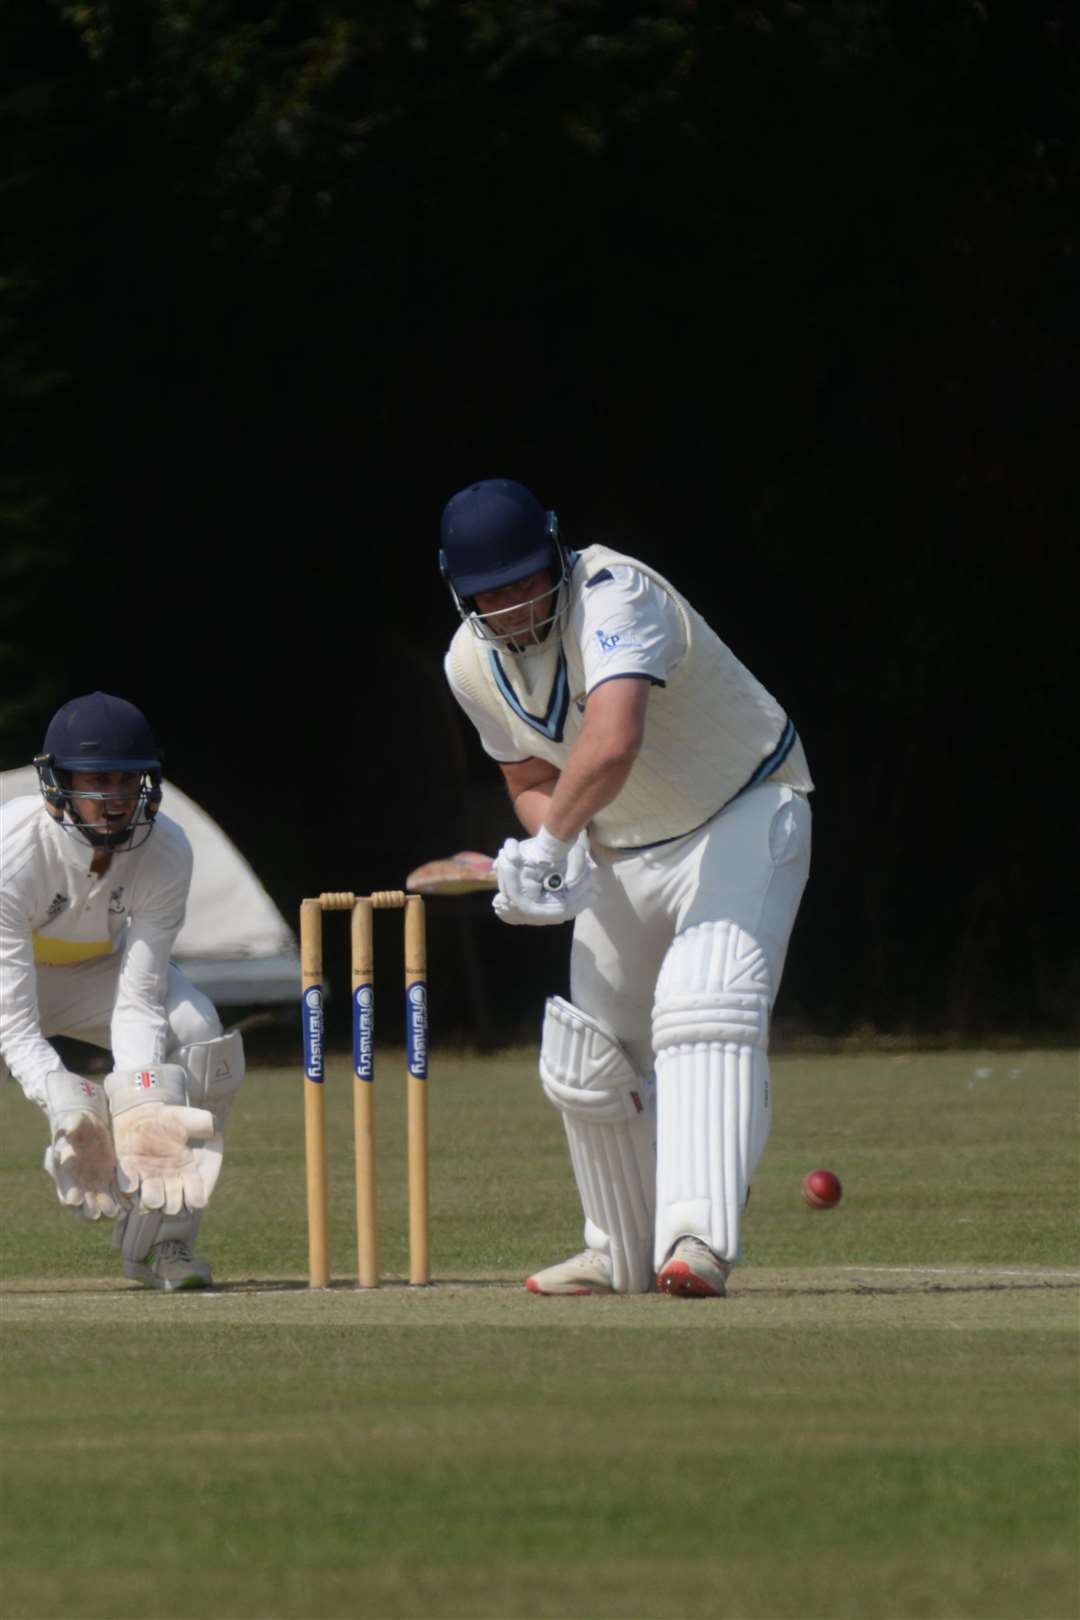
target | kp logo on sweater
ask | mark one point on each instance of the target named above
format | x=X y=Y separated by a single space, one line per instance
x=615 y=641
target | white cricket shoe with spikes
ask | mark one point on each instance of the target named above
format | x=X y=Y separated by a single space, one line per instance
x=586 y=1273
x=693 y=1271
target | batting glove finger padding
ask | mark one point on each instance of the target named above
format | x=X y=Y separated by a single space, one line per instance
x=153 y=1129
x=80 y=1157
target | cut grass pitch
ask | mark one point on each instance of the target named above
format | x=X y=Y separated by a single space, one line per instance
x=880 y=1421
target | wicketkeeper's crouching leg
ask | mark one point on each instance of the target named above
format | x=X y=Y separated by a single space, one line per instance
x=608 y=1116
x=176 y=1156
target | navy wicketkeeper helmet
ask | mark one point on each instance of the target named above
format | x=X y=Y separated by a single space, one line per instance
x=99 y=732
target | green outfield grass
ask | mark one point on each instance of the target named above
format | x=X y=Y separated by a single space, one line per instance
x=881 y=1421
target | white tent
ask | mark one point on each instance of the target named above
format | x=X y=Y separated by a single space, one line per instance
x=235 y=944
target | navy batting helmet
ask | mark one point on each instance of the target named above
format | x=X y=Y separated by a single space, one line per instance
x=494 y=533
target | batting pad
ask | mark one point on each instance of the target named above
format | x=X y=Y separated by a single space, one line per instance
x=136 y=1233
x=215 y=1070
x=710 y=1034
x=608 y=1117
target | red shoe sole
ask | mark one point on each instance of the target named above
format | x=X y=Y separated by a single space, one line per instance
x=677 y=1278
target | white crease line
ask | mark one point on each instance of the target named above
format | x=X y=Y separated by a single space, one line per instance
x=968 y=1271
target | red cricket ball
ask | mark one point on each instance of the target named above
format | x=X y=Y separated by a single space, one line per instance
x=821 y=1189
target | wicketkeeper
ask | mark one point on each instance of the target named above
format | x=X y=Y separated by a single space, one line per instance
x=94 y=883
x=664 y=792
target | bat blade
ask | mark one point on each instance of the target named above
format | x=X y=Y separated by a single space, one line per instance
x=467 y=872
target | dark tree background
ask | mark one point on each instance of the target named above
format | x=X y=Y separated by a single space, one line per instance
x=782 y=297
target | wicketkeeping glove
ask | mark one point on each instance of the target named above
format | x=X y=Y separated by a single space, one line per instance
x=154 y=1129
x=80 y=1155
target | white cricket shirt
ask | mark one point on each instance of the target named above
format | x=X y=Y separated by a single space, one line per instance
x=55 y=914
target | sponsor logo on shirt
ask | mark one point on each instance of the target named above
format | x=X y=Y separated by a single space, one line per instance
x=615 y=640
x=57 y=904
x=116 y=901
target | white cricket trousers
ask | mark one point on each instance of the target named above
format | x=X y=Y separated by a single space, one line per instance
x=748 y=865
x=77 y=1000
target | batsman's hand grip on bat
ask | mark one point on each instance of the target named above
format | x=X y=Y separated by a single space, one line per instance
x=80 y=1157
x=544 y=880
x=154 y=1131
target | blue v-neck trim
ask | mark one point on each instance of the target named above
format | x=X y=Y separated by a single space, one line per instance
x=553 y=721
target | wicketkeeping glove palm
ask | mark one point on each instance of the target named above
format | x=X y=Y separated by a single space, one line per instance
x=80 y=1156
x=154 y=1130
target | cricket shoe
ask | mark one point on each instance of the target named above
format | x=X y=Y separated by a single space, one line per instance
x=171 y=1266
x=693 y=1271
x=586 y=1273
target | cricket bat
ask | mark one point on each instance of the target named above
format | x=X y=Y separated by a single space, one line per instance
x=467 y=872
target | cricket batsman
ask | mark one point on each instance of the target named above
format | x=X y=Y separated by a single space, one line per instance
x=94 y=883
x=664 y=795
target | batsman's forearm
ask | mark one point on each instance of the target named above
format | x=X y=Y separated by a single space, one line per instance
x=568 y=803
x=533 y=804
x=582 y=792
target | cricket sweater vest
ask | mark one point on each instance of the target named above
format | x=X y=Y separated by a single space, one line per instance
x=711 y=729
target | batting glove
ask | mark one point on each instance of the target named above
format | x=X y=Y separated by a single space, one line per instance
x=544 y=880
